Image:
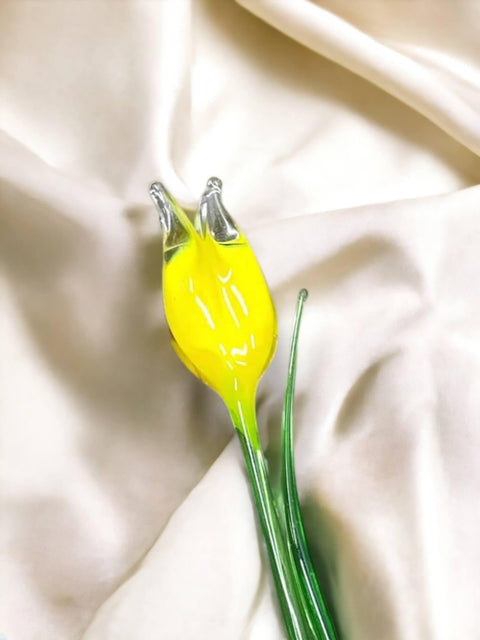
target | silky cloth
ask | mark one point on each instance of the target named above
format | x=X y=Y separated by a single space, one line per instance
x=347 y=137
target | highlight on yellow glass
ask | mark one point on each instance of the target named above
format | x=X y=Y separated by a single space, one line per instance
x=224 y=328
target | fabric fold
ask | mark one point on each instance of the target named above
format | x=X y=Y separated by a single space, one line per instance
x=331 y=36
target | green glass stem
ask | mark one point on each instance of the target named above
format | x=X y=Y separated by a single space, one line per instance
x=285 y=578
x=316 y=609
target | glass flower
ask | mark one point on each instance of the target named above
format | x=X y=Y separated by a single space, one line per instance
x=224 y=328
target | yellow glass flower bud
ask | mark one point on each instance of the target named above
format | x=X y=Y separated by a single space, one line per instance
x=217 y=303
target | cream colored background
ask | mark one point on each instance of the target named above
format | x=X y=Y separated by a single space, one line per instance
x=352 y=164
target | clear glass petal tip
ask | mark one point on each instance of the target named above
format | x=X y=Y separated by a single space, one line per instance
x=213 y=216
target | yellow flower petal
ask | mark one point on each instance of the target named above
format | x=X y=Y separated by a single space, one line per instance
x=217 y=303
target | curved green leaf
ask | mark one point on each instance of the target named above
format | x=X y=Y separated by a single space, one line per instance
x=319 y=617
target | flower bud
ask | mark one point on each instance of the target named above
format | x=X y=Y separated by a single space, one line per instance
x=217 y=303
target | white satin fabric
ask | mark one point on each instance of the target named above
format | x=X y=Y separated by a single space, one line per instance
x=347 y=136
